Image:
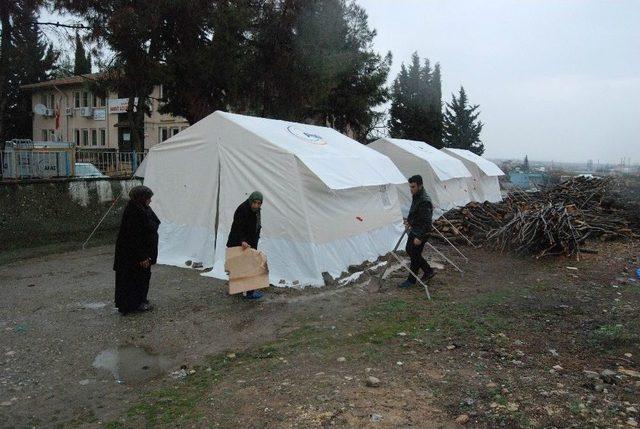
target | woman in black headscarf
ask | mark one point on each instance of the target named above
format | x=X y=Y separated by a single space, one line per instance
x=136 y=251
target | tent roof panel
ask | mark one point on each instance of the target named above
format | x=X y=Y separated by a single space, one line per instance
x=445 y=166
x=487 y=167
x=337 y=160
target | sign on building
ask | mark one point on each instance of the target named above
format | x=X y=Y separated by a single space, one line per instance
x=100 y=114
x=119 y=105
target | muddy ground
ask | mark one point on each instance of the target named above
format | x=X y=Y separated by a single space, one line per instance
x=513 y=343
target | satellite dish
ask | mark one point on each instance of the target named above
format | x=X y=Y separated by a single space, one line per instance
x=40 y=109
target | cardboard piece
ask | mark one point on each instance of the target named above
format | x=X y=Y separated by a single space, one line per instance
x=247 y=269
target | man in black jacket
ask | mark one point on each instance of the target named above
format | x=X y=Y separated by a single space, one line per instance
x=418 y=224
x=245 y=229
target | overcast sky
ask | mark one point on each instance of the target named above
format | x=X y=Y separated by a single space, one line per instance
x=555 y=79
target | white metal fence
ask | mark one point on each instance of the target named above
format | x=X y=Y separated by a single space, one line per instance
x=111 y=163
x=29 y=164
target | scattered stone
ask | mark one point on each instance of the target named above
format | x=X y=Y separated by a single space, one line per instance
x=554 y=352
x=84 y=382
x=512 y=406
x=319 y=374
x=322 y=398
x=632 y=422
x=451 y=347
x=518 y=343
x=402 y=334
x=179 y=374
x=328 y=279
x=6 y=403
x=493 y=405
x=342 y=359
x=628 y=355
x=231 y=355
x=557 y=368
x=491 y=385
x=599 y=388
x=348 y=377
x=399 y=363
x=608 y=376
x=367 y=370
x=10 y=353
x=192 y=371
x=373 y=381
x=376 y=418
x=631 y=410
x=591 y=375
x=462 y=419
x=629 y=372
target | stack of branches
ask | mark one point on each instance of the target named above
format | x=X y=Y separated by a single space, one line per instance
x=555 y=220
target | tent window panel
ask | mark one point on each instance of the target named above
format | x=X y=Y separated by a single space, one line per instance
x=384 y=195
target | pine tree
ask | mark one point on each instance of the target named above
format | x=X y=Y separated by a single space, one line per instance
x=461 y=125
x=525 y=166
x=416 y=107
x=31 y=60
x=82 y=63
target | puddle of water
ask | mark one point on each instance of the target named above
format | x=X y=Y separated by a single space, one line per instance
x=93 y=305
x=131 y=365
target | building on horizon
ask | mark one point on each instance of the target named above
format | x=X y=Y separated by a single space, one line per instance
x=66 y=109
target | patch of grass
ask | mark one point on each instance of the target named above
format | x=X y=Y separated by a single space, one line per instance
x=610 y=335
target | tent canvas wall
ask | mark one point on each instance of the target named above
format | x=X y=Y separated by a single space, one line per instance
x=445 y=177
x=329 y=201
x=484 y=185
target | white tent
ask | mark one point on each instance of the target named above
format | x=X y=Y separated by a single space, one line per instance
x=328 y=203
x=484 y=185
x=445 y=177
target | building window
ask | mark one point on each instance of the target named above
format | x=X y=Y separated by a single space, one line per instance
x=85 y=137
x=76 y=97
x=85 y=99
x=52 y=135
x=52 y=101
x=174 y=131
x=163 y=134
x=76 y=137
x=45 y=135
x=101 y=102
x=103 y=136
x=94 y=100
x=94 y=137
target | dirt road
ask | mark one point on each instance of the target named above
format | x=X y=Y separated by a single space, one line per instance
x=514 y=342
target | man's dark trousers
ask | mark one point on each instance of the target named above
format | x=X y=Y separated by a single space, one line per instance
x=417 y=261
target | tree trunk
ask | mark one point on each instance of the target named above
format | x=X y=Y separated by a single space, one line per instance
x=5 y=47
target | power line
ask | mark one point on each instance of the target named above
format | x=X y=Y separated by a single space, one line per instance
x=57 y=24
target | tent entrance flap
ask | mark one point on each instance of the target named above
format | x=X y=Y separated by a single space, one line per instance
x=217 y=220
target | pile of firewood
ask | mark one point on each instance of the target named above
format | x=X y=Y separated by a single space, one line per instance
x=555 y=220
